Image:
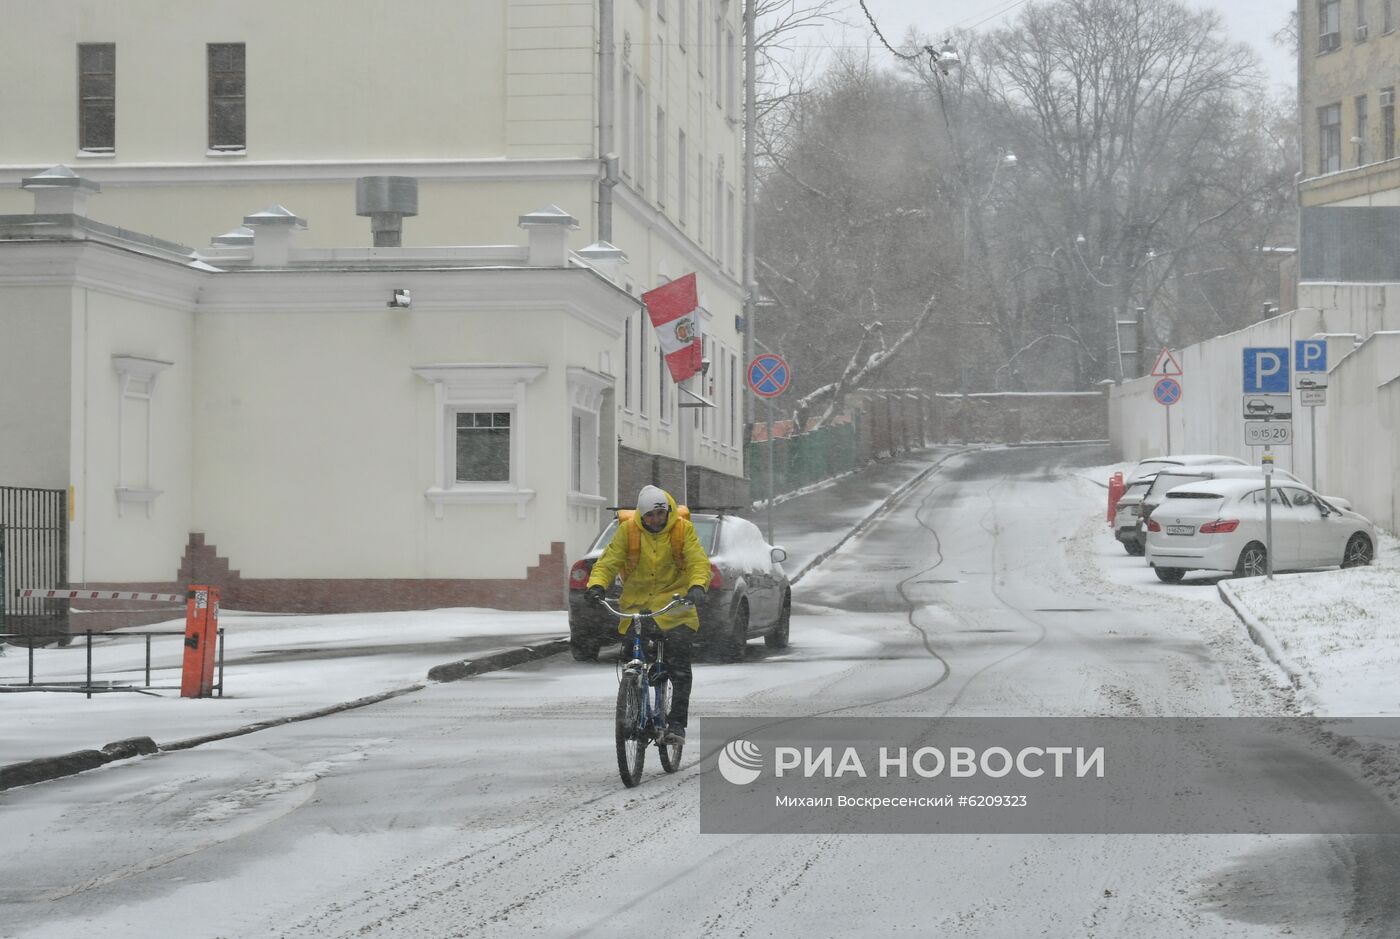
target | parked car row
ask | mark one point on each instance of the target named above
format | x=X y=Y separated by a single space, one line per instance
x=1209 y=513
x=749 y=593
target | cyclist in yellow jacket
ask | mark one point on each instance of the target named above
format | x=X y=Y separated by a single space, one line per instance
x=649 y=580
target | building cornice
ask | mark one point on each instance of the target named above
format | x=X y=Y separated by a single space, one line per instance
x=225 y=172
x=96 y=266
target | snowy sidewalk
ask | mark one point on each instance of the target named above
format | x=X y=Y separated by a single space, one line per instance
x=278 y=667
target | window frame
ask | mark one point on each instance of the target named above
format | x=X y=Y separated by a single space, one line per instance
x=213 y=76
x=1329 y=138
x=1329 y=26
x=92 y=100
x=137 y=376
x=478 y=387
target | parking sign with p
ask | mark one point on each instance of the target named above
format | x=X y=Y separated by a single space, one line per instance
x=1266 y=370
x=1310 y=355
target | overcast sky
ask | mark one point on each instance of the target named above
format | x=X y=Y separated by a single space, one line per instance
x=1250 y=21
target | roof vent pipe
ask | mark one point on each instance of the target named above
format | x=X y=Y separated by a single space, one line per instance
x=386 y=200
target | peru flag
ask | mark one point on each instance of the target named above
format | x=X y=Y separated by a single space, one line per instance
x=675 y=312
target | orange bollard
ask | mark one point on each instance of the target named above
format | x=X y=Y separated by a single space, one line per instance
x=201 y=638
x=1115 y=492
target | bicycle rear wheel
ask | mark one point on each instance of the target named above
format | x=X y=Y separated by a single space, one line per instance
x=670 y=752
x=631 y=745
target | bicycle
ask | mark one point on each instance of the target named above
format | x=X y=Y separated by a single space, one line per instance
x=643 y=694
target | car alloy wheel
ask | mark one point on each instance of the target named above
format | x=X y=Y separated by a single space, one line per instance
x=1359 y=552
x=1253 y=562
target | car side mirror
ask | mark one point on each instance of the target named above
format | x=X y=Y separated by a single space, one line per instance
x=779 y=555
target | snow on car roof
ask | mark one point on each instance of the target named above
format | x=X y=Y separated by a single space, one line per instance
x=1225 y=487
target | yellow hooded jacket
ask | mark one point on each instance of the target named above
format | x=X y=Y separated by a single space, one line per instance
x=657 y=577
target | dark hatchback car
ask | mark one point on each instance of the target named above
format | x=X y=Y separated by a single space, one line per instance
x=749 y=594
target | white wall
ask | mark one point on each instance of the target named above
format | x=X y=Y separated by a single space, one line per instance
x=1357 y=447
x=35 y=333
x=1361 y=456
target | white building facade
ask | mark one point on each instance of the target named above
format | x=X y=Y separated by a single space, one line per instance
x=189 y=112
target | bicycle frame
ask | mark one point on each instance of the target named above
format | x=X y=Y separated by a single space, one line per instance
x=647 y=665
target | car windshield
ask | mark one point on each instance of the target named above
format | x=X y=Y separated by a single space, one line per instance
x=706 y=527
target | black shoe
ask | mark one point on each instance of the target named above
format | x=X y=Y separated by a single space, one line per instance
x=675 y=733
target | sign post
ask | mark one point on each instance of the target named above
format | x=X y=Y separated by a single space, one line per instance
x=1167 y=391
x=769 y=377
x=1268 y=400
x=1310 y=355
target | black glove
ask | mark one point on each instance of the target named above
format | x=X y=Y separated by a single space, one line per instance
x=594 y=594
x=695 y=595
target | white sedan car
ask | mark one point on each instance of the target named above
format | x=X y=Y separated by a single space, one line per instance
x=1218 y=525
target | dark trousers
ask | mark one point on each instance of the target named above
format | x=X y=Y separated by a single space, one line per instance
x=679 y=642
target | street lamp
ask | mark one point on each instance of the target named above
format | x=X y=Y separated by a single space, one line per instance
x=1007 y=160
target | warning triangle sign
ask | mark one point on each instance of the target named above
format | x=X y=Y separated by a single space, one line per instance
x=1167 y=366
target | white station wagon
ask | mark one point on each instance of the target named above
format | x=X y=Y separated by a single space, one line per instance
x=1218 y=525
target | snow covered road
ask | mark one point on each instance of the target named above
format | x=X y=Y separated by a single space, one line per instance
x=492 y=806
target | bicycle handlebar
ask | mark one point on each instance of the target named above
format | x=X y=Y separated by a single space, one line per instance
x=676 y=600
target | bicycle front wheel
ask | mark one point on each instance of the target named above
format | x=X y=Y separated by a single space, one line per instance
x=670 y=752
x=631 y=745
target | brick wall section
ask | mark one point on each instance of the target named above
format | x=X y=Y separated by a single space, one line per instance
x=542 y=588
x=1010 y=417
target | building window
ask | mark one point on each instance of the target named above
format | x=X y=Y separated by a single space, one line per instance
x=1388 y=15
x=642 y=362
x=639 y=154
x=732 y=232
x=627 y=365
x=681 y=188
x=661 y=157
x=228 y=86
x=625 y=100
x=1360 y=20
x=717 y=231
x=719 y=60
x=97 y=97
x=700 y=38
x=663 y=378
x=1362 y=127
x=700 y=196
x=682 y=24
x=731 y=73
x=483 y=446
x=733 y=399
x=1329 y=25
x=1388 y=123
x=480 y=454
x=1329 y=138
x=135 y=429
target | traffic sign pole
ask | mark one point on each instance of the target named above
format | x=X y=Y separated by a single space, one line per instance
x=769 y=376
x=768 y=518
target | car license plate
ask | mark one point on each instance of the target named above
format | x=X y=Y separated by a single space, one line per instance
x=1181 y=529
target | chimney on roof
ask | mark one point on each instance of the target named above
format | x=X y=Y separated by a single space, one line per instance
x=386 y=200
x=605 y=258
x=60 y=191
x=272 y=235
x=548 y=229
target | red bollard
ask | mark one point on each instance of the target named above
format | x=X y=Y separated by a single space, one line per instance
x=201 y=640
x=1115 y=492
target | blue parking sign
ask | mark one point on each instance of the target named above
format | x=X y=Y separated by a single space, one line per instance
x=1266 y=370
x=1310 y=355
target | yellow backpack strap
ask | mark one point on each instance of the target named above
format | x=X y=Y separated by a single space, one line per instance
x=678 y=541
x=634 y=546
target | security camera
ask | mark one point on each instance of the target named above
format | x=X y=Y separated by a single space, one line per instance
x=401 y=299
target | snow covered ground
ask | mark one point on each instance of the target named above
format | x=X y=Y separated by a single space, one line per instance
x=492 y=806
x=1335 y=634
